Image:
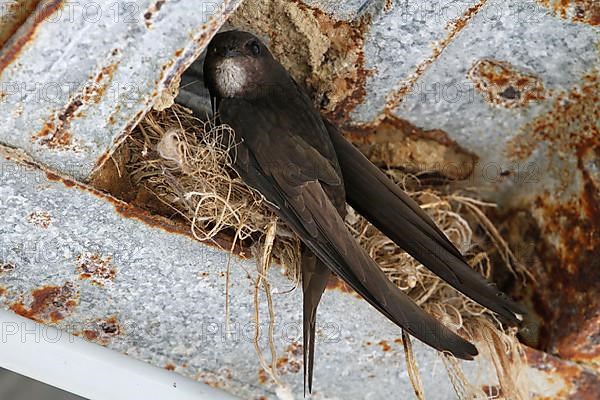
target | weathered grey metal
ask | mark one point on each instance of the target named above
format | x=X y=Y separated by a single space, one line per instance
x=77 y=76
x=165 y=296
x=69 y=259
x=520 y=33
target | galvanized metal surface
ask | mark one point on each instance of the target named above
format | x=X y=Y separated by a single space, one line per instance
x=77 y=76
x=71 y=260
x=66 y=362
x=503 y=96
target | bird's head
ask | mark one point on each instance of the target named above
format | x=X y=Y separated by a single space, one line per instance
x=238 y=64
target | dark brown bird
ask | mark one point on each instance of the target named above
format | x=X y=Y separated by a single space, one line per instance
x=307 y=171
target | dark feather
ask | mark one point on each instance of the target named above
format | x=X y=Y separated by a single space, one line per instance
x=307 y=171
x=372 y=194
x=297 y=181
x=314 y=280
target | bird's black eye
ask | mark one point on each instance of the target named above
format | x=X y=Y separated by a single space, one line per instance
x=255 y=47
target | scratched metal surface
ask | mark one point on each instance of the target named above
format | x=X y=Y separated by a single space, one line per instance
x=78 y=75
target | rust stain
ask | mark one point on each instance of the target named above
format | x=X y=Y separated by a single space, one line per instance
x=221 y=241
x=286 y=365
x=110 y=326
x=102 y=331
x=152 y=10
x=55 y=133
x=579 y=383
x=583 y=345
x=389 y=5
x=453 y=28
x=281 y=362
x=99 y=270
x=493 y=391
x=291 y=362
x=50 y=304
x=13 y=16
x=3 y=291
x=170 y=367
x=562 y=252
x=572 y=123
x=53 y=137
x=396 y=143
x=572 y=273
x=43 y=219
x=109 y=177
x=100 y=163
x=217 y=379
x=322 y=53
x=10 y=54
x=566 y=240
x=295 y=349
x=583 y=11
x=385 y=346
x=506 y=85
x=90 y=335
x=262 y=377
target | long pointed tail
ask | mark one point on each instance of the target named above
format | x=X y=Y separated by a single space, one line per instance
x=314 y=281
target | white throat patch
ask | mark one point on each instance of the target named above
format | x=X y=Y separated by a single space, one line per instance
x=231 y=78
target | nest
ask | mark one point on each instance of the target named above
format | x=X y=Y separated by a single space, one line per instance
x=185 y=163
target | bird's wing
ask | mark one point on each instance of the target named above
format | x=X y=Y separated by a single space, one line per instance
x=372 y=194
x=292 y=176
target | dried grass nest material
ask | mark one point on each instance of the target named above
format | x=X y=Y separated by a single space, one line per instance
x=186 y=164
